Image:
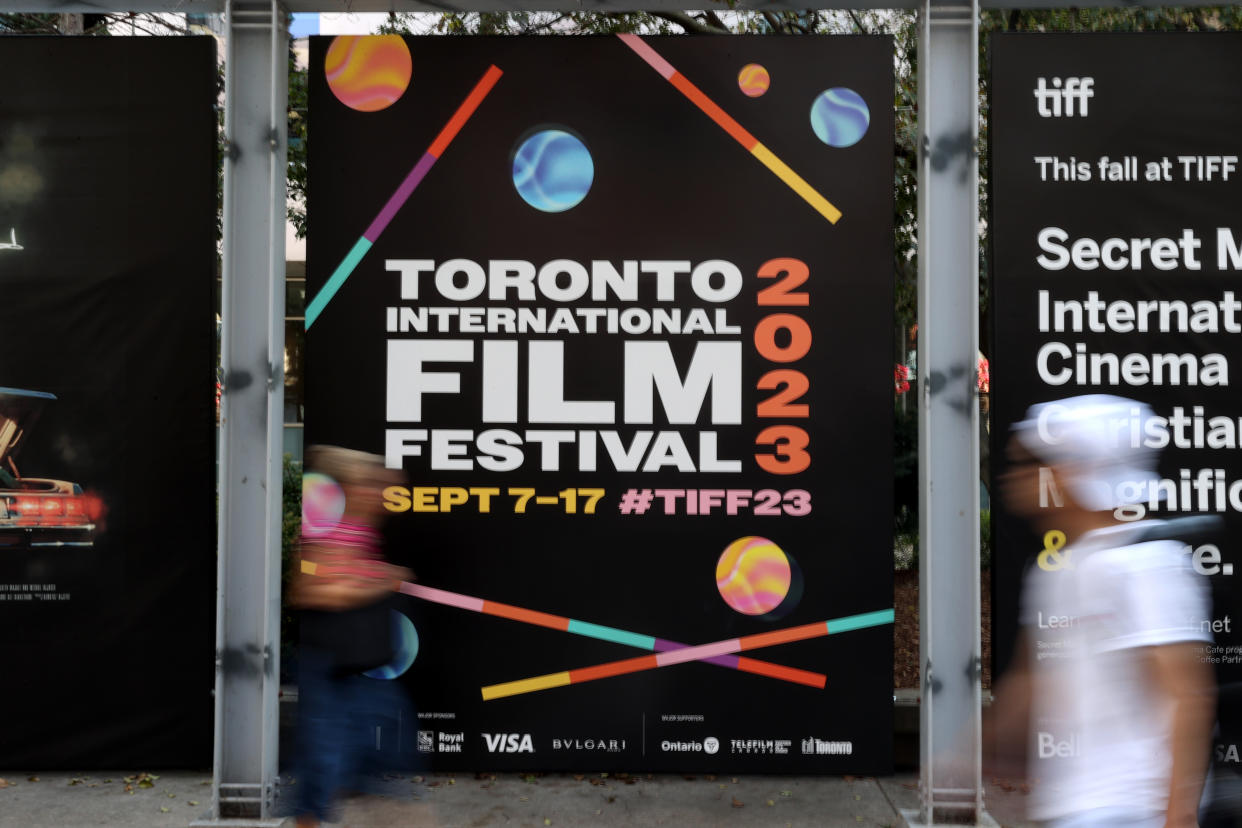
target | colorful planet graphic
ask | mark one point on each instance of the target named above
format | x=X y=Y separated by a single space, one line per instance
x=368 y=72
x=753 y=80
x=405 y=649
x=553 y=170
x=323 y=503
x=840 y=117
x=753 y=575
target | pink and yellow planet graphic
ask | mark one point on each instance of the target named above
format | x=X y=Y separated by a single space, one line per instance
x=368 y=72
x=323 y=503
x=753 y=575
x=753 y=80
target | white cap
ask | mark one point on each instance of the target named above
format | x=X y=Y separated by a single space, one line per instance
x=1095 y=442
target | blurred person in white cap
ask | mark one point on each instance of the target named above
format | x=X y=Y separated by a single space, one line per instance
x=1109 y=690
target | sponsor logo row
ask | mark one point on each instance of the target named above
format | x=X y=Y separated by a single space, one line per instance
x=438 y=741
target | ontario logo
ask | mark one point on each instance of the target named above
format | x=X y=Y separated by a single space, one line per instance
x=508 y=743
x=709 y=746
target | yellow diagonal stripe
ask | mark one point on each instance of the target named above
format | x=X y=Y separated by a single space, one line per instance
x=513 y=688
x=796 y=183
x=309 y=567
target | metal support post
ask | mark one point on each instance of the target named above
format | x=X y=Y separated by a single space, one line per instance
x=949 y=651
x=251 y=416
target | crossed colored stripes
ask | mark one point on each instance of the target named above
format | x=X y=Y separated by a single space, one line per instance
x=739 y=133
x=721 y=653
x=403 y=193
x=702 y=652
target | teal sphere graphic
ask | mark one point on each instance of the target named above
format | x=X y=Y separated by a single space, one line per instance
x=405 y=649
x=840 y=117
x=553 y=171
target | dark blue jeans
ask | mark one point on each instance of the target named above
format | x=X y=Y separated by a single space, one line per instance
x=347 y=726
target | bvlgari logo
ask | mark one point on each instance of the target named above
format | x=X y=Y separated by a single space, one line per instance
x=596 y=745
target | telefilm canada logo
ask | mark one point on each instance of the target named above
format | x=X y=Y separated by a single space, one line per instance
x=760 y=747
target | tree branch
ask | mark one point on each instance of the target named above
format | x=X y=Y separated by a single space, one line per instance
x=687 y=22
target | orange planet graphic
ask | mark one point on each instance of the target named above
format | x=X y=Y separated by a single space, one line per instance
x=753 y=575
x=368 y=72
x=753 y=80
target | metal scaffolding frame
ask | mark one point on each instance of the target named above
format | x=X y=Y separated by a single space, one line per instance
x=248 y=600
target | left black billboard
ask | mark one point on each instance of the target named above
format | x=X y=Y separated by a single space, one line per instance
x=107 y=265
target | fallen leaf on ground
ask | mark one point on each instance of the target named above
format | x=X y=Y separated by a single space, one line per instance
x=786 y=793
x=32 y=779
x=4 y=783
x=193 y=802
x=163 y=809
x=771 y=803
x=737 y=803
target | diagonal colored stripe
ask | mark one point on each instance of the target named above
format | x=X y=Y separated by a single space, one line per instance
x=726 y=122
x=538 y=619
x=695 y=653
x=749 y=642
x=464 y=111
x=771 y=639
x=711 y=110
x=641 y=642
x=398 y=199
x=613 y=668
x=730 y=661
x=858 y=622
x=441 y=596
x=787 y=673
x=338 y=277
x=648 y=54
x=796 y=183
x=513 y=688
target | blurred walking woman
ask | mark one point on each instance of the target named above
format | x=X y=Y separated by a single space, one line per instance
x=342 y=585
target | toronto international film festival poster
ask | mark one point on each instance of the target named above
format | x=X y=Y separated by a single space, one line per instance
x=620 y=308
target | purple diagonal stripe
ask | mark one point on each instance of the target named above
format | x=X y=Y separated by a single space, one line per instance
x=663 y=646
x=399 y=197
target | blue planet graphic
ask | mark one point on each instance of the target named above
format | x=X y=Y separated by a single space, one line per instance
x=840 y=117
x=405 y=646
x=553 y=171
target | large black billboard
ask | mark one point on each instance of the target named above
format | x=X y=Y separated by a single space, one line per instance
x=621 y=309
x=107 y=264
x=1116 y=247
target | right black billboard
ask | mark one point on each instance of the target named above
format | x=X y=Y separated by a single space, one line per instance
x=1116 y=261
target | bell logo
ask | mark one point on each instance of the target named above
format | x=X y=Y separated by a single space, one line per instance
x=508 y=743
x=1049 y=98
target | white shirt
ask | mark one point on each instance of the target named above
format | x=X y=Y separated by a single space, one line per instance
x=1102 y=732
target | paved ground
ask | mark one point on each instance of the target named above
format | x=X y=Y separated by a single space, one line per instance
x=174 y=799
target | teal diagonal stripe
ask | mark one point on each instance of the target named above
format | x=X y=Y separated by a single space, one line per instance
x=325 y=294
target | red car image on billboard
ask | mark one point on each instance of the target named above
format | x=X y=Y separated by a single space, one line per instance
x=37 y=511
